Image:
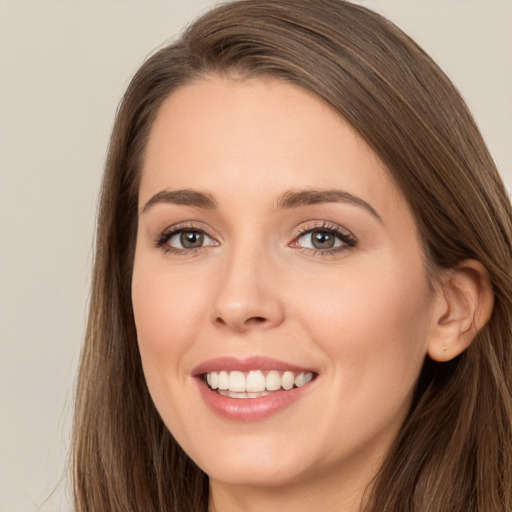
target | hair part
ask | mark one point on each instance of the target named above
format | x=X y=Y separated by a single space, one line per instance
x=454 y=451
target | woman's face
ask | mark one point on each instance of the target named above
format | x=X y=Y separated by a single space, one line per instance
x=274 y=248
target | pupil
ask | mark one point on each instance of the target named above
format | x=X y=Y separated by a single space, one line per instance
x=191 y=239
x=322 y=240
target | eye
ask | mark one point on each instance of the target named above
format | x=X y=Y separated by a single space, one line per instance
x=185 y=239
x=319 y=240
x=325 y=239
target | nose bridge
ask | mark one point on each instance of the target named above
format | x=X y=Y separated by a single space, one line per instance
x=247 y=295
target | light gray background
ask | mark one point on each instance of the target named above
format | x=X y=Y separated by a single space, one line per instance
x=63 y=68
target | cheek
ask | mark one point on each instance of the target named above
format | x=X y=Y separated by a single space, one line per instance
x=373 y=330
x=167 y=312
x=372 y=324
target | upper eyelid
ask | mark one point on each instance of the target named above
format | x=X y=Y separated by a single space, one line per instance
x=326 y=225
x=188 y=225
x=342 y=233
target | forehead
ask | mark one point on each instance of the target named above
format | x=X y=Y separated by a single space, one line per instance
x=257 y=135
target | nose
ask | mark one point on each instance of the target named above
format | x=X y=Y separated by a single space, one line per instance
x=248 y=294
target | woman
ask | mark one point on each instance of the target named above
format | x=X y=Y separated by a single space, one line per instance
x=302 y=295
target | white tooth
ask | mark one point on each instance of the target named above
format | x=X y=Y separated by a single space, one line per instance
x=273 y=381
x=308 y=377
x=300 y=380
x=235 y=394
x=214 y=380
x=208 y=379
x=236 y=381
x=223 y=382
x=255 y=382
x=288 y=379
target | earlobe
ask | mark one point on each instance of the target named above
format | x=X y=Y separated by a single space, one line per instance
x=464 y=305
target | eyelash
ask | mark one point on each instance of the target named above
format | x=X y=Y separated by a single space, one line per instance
x=164 y=237
x=348 y=240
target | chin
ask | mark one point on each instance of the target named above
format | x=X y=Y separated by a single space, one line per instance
x=247 y=474
x=252 y=465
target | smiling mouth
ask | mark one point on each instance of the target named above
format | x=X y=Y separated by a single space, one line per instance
x=255 y=383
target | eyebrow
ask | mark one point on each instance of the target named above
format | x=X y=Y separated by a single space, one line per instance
x=295 y=199
x=287 y=200
x=183 y=197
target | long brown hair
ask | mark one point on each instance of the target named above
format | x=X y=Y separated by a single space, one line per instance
x=454 y=451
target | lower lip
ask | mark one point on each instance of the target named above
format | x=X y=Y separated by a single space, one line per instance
x=250 y=409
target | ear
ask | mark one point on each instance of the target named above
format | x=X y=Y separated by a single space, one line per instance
x=463 y=306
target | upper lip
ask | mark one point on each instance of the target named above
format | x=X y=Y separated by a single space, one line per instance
x=229 y=363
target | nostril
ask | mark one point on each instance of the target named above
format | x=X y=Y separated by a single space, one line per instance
x=256 y=320
x=248 y=322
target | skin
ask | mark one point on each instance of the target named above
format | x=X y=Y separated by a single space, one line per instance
x=362 y=317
